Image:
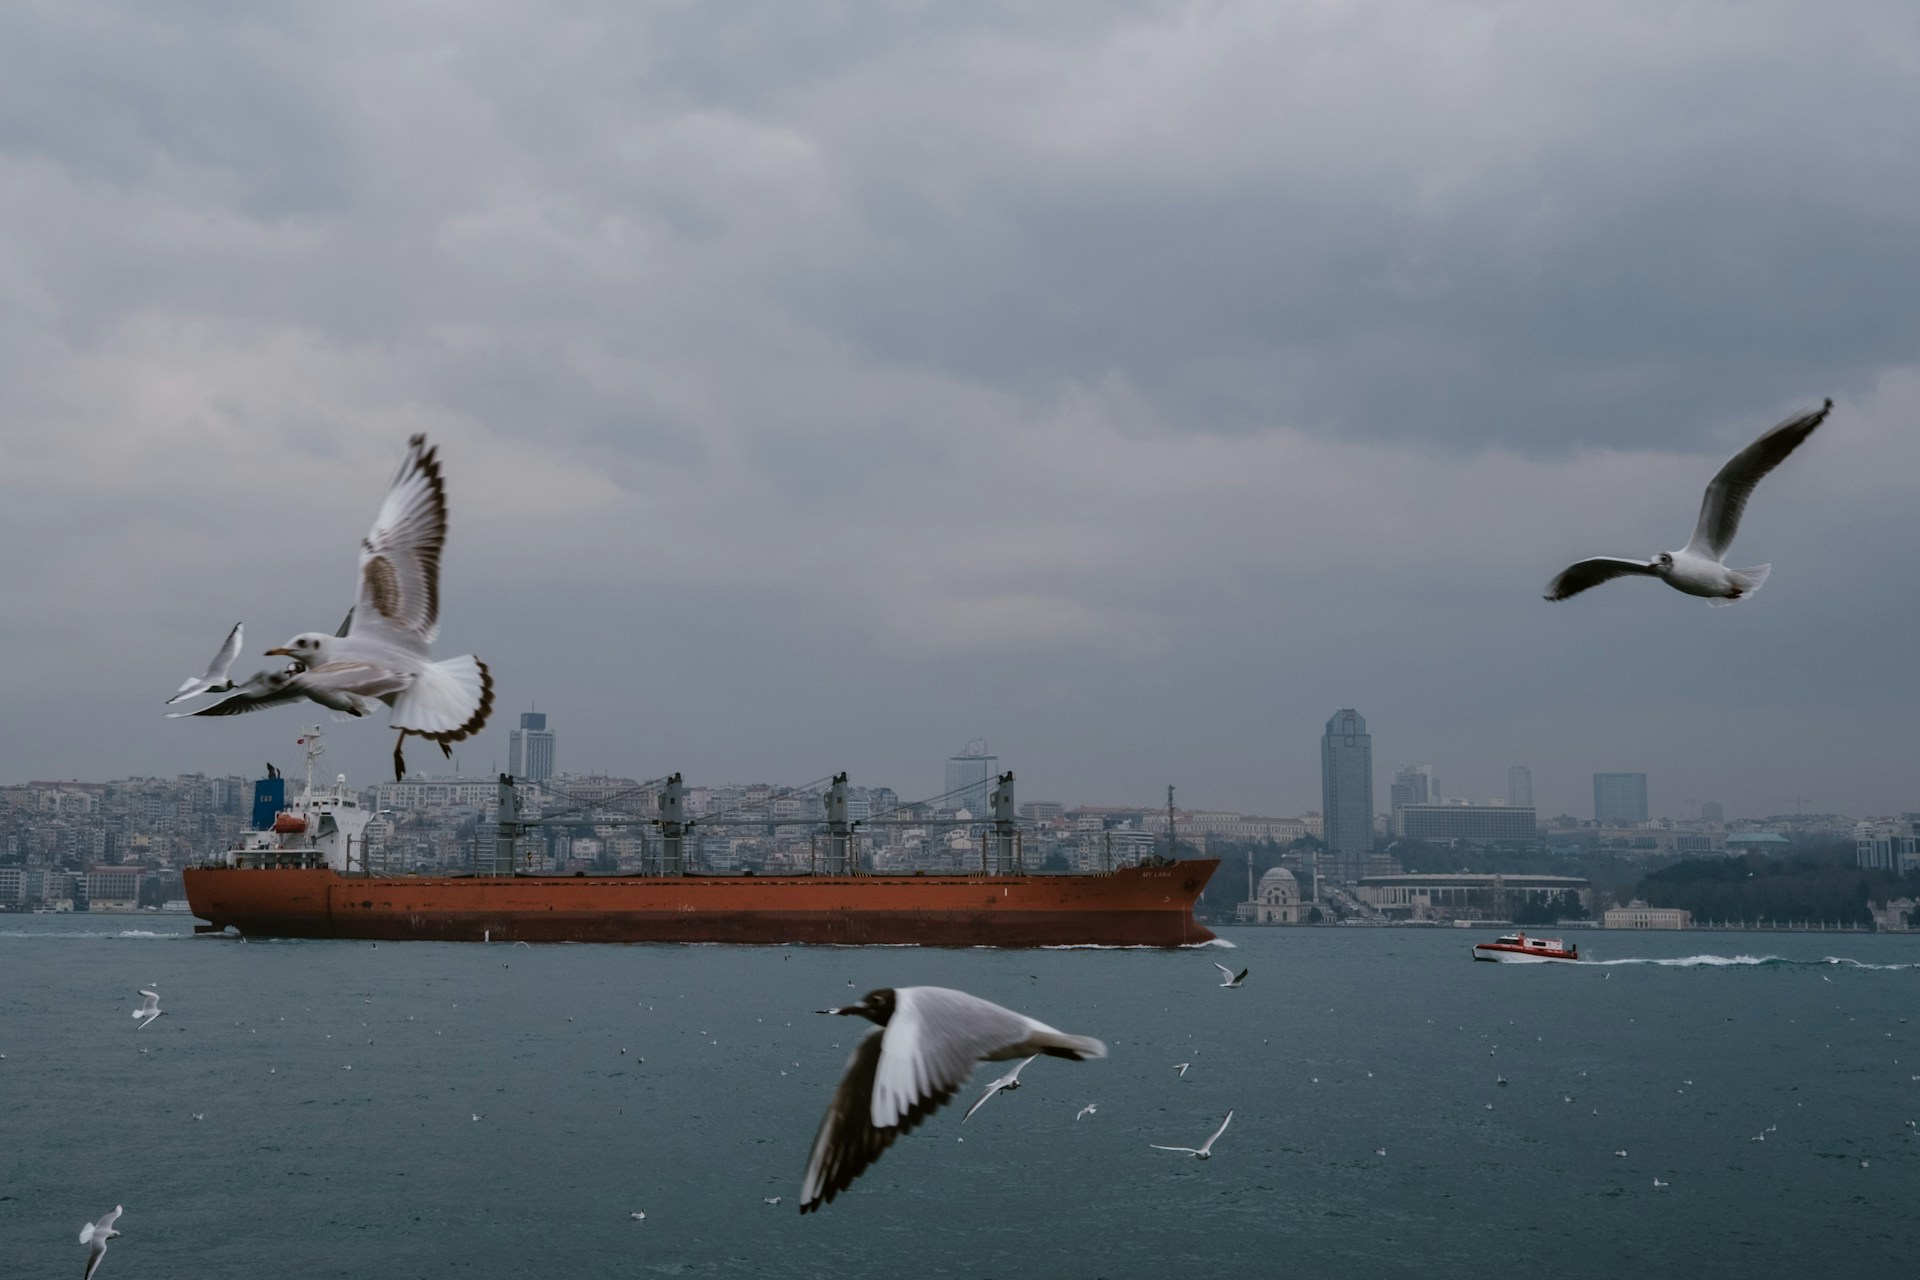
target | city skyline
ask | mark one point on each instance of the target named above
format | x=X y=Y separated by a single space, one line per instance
x=1110 y=415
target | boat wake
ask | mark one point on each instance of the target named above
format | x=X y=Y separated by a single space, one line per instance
x=1751 y=962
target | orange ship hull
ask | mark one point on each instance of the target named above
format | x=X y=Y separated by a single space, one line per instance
x=1135 y=906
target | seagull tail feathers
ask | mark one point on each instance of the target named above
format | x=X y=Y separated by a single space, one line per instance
x=447 y=701
x=1750 y=580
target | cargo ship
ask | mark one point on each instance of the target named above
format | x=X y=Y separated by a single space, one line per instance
x=295 y=876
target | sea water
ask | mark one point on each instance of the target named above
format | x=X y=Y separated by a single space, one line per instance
x=1770 y=1081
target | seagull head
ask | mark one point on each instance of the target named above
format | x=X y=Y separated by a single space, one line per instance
x=876 y=1006
x=1663 y=563
x=309 y=649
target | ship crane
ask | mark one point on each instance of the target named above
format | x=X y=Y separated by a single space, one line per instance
x=674 y=824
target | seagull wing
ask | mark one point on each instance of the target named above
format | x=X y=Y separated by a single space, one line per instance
x=216 y=670
x=992 y=1089
x=937 y=1034
x=1215 y=1135
x=1242 y=975
x=399 y=597
x=262 y=689
x=1185 y=1150
x=1727 y=495
x=94 y=1254
x=1576 y=578
x=1224 y=971
x=848 y=1140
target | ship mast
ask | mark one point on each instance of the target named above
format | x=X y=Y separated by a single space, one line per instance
x=1170 y=845
x=315 y=749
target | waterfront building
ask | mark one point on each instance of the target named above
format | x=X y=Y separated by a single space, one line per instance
x=1520 y=787
x=1470 y=822
x=1346 y=791
x=1638 y=915
x=530 y=748
x=1275 y=901
x=114 y=888
x=969 y=775
x=1463 y=895
x=1619 y=799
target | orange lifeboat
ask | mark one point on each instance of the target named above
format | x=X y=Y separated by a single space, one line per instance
x=289 y=824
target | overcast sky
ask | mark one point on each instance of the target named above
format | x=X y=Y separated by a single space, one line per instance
x=822 y=385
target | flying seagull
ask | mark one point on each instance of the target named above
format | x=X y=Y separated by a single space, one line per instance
x=1009 y=1082
x=1085 y=1111
x=380 y=651
x=1698 y=568
x=292 y=684
x=215 y=680
x=97 y=1234
x=149 y=1009
x=1232 y=979
x=928 y=1042
x=1205 y=1150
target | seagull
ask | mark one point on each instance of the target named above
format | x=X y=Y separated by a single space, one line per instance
x=149 y=1008
x=769 y=1199
x=928 y=1042
x=1181 y=1067
x=1009 y=1082
x=1658 y=1183
x=1232 y=979
x=1205 y=1150
x=291 y=684
x=1089 y=1109
x=1698 y=568
x=380 y=652
x=216 y=679
x=97 y=1234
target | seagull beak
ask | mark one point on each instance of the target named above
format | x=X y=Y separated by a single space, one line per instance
x=284 y=653
x=833 y=1010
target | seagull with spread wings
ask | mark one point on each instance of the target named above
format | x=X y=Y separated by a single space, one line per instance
x=1205 y=1150
x=149 y=1009
x=1009 y=1082
x=380 y=653
x=1699 y=568
x=1229 y=978
x=97 y=1234
x=928 y=1042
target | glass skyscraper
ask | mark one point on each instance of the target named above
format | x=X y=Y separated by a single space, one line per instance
x=1619 y=798
x=968 y=775
x=1346 y=791
x=1520 y=787
x=530 y=748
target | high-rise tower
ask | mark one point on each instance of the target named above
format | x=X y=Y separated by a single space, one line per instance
x=1520 y=787
x=530 y=748
x=968 y=775
x=1346 y=791
x=1619 y=798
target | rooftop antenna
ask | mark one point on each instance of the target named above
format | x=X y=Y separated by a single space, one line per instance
x=315 y=749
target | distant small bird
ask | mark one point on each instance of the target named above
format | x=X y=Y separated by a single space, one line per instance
x=1500 y=1080
x=1658 y=1183
x=1009 y=1082
x=928 y=1042
x=1232 y=979
x=199 y=1115
x=1181 y=1067
x=216 y=679
x=1089 y=1109
x=1621 y=1154
x=1699 y=568
x=97 y=1234
x=149 y=1009
x=1205 y=1150
x=1379 y=1151
x=638 y=1215
x=476 y=1116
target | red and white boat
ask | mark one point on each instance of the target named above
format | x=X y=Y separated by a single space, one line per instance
x=1518 y=948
